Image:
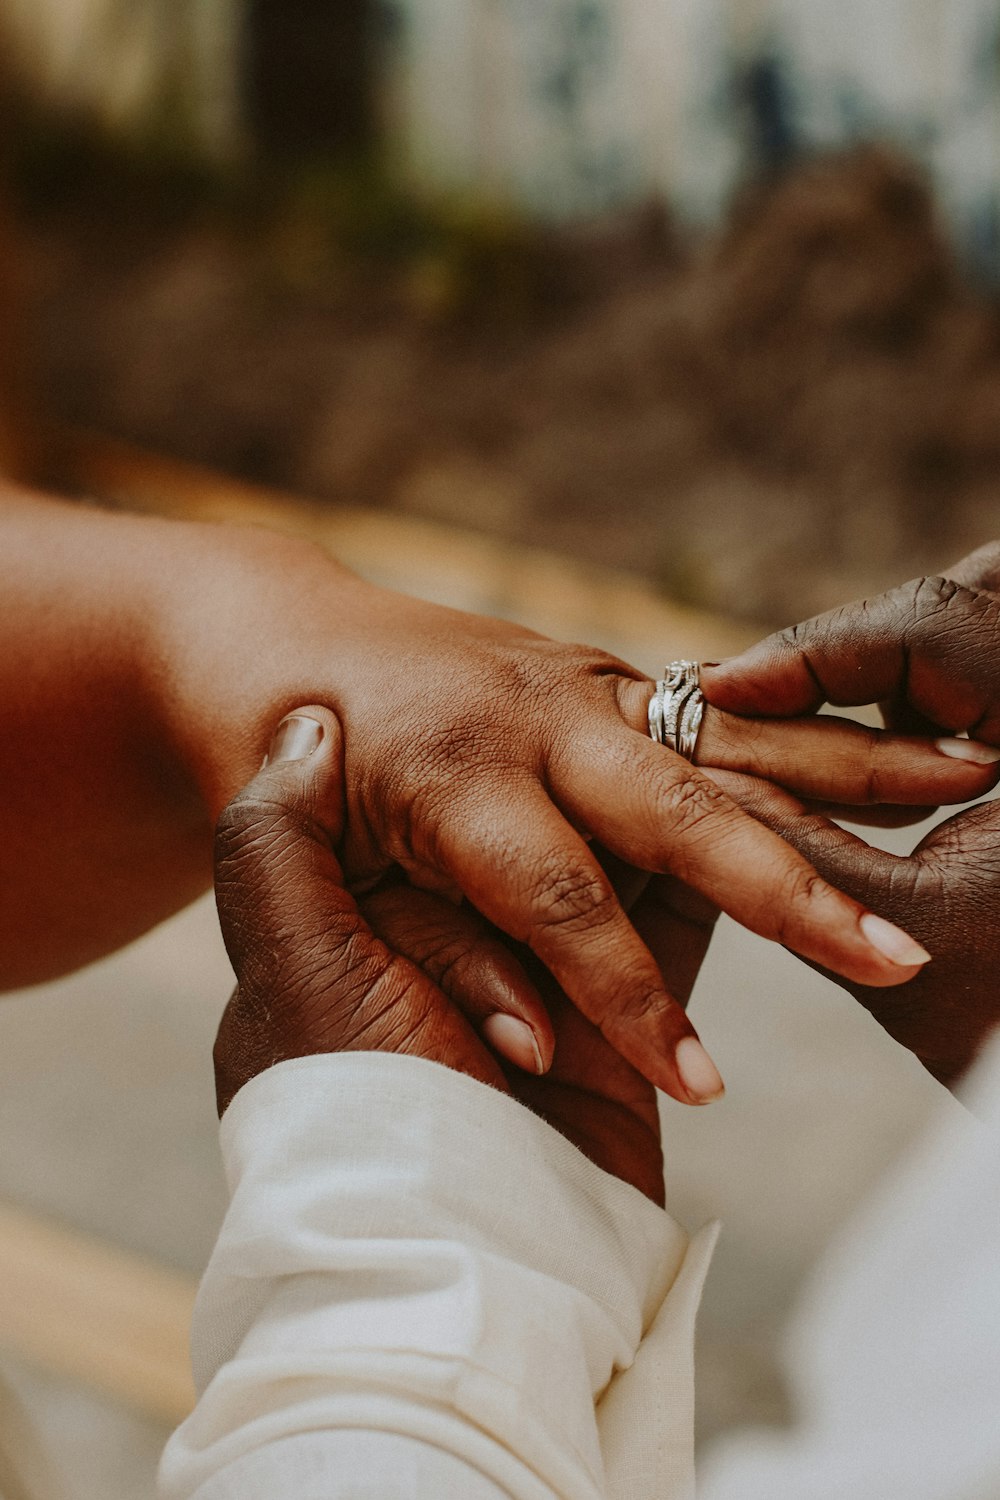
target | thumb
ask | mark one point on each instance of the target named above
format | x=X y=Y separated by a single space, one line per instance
x=275 y=865
x=931 y=642
x=311 y=975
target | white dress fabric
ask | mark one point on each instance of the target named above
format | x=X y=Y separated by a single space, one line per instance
x=422 y=1291
x=894 y=1359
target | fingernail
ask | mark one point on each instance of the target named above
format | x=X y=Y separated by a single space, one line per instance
x=698 y=1072
x=295 y=739
x=515 y=1041
x=892 y=942
x=974 y=750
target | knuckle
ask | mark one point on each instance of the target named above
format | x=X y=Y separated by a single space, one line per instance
x=799 y=889
x=571 y=898
x=929 y=596
x=392 y=1007
x=875 y=778
x=253 y=828
x=446 y=958
x=794 y=637
x=729 y=741
x=802 y=641
x=687 y=807
x=639 y=1004
x=949 y=622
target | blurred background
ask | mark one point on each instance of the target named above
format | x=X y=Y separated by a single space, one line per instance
x=652 y=322
x=699 y=288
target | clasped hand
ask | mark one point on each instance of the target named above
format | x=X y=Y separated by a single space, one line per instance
x=396 y=967
x=485 y=762
x=929 y=651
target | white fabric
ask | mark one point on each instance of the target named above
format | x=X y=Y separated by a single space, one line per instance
x=894 y=1361
x=422 y=1290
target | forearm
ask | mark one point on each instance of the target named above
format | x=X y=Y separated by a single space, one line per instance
x=116 y=751
x=103 y=831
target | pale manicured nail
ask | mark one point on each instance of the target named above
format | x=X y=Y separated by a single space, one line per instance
x=698 y=1072
x=295 y=739
x=974 y=750
x=892 y=942
x=515 y=1041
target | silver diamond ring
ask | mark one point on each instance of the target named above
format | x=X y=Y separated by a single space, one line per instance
x=677 y=708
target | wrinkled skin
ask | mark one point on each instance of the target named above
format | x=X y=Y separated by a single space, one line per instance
x=406 y=971
x=148 y=662
x=486 y=762
x=930 y=653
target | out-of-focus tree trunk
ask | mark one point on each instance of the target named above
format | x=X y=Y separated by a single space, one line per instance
x=307 y=74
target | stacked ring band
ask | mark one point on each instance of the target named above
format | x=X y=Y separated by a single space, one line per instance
x=677 y=708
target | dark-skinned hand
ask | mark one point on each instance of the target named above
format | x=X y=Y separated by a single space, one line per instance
x=947 y=893
x=486 y=762
x=407 y=971
x=930 y=653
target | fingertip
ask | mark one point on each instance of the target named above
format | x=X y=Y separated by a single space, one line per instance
x=697 y=1072
x=515 y=1041
x=300 y=734
x=973 y=752
x=761 y=681
x=891 y=942
x=731 y=688
x=297 y=737
x=304 y=764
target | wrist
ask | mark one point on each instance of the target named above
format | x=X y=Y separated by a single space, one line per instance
x=243 y=629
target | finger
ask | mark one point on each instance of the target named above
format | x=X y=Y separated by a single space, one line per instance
x=932 y=640
x=980 y=570
x=627 y=882
x=598 y=1101
x=946 y=890
x=530 y=873
x=900 y=718
x=479 y=974
x=857 y=867
x=649 y=805
x=846 y=769
x=312 y=976
x=676 y=923
x=836 y=759
x=872 y=817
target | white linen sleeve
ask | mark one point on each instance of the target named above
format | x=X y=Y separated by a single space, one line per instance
x=421 y=1290
x=894 y=1358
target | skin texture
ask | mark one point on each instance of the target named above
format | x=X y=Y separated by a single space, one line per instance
x=485 y=761
x=930 y=652
x=145 y=664
x=313 y=975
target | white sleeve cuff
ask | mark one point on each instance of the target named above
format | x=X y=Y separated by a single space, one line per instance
x=409 y=1251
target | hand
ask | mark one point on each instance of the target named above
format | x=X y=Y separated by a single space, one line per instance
x=929 y=651
x=148 y=661
x=948 y=895
x=482 y=760
x=313 y=976
x=591 y=1094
